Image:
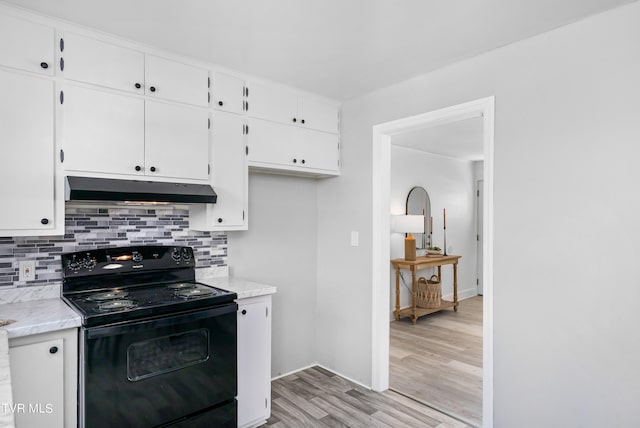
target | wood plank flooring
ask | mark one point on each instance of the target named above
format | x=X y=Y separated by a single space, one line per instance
x=438 y=361
x=316 y=397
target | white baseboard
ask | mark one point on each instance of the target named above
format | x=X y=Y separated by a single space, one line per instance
x=326 y=368
x=294 y=371
x=463 y=294
x=345 y=377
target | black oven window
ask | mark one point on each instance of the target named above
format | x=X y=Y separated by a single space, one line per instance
x=168 y=353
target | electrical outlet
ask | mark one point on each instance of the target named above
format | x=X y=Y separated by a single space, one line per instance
x=27 y=270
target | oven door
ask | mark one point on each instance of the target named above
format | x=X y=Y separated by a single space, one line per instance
x=160 y=371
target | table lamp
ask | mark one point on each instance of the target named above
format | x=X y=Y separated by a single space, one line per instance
x=408 y=224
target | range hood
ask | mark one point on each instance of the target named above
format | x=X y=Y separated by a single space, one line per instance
x=106 y=189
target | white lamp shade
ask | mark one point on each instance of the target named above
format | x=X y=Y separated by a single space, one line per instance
x=407 y=223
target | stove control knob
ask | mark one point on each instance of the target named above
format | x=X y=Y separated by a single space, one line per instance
x=73 y=264
x=90 y=262
x=175 y=254
x=186 y=254
x=136 y=257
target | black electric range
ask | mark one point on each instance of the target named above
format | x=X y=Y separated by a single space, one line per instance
x=151 y=335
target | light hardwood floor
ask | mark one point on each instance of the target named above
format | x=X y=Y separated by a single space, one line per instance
x=438 y=361
x=316 y=397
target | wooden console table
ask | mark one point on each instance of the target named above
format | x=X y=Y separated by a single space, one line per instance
x=423 y=263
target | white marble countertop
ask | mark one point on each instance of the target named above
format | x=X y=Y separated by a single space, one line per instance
x=38 y=316
x=242 y=287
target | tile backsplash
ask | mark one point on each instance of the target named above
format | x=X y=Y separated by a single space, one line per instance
x=89 y=228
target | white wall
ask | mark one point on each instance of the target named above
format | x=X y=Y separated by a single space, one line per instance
x=567 y=127
x=451 y=185
x=280 y=249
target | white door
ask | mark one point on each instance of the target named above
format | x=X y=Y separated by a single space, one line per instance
x=228 y=169
x=26 y=45
x=272 y=102
x=172 y=80
x=480 y=205
x=37 y=374
x=104 y=64
x=102 y=132
x=176 y=141
x=227 y=93
x=271 y=142
x=318 y=114
x=254 y=362
x=27 y=161
x=318 y=150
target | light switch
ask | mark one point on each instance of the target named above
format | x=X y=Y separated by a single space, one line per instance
x=354 y=238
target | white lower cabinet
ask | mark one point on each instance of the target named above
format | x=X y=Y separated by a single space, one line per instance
x=254 y=361
x=274 y=146
x=44 y=379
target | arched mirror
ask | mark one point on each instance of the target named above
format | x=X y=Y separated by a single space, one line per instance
x=418 y=203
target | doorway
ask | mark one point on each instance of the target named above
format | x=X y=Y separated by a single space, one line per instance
x=382 y=135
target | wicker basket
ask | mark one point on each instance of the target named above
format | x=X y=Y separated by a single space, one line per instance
x=429 y=292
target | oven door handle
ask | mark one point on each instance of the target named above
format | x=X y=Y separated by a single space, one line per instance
x=93 y=333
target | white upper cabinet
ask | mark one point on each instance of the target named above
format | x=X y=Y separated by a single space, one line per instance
x=287 y=106
x=274 y=146
x=227 y=93
x=317 y=150
x=26 y=45
x=271 y=143
x=103 y=132
x=105 y=64
x=273 y=103
x=317 y=113
x=93 y=61
x=176 y=141
x=108 y=133
x=229 y=177
x=27 y=160
x=174 y=81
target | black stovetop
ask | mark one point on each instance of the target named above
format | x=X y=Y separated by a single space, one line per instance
x=108 y=306
x=127 y=284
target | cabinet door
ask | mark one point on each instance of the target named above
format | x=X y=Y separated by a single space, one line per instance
x=93 y=61
x=254 y=361
x=27 y=160
x=318 y=114
x=318 y=150
x=272 y=103
x=171 y=80
x=26 y=45
x=271 y=142
x=102 y=132
x=227 y=93
x=177 y=141
x=37 y=381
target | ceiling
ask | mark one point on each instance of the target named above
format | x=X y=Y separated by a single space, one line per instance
x=337 y=48
x=460 y=140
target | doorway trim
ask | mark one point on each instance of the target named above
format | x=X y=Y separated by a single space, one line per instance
x=381 y=289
